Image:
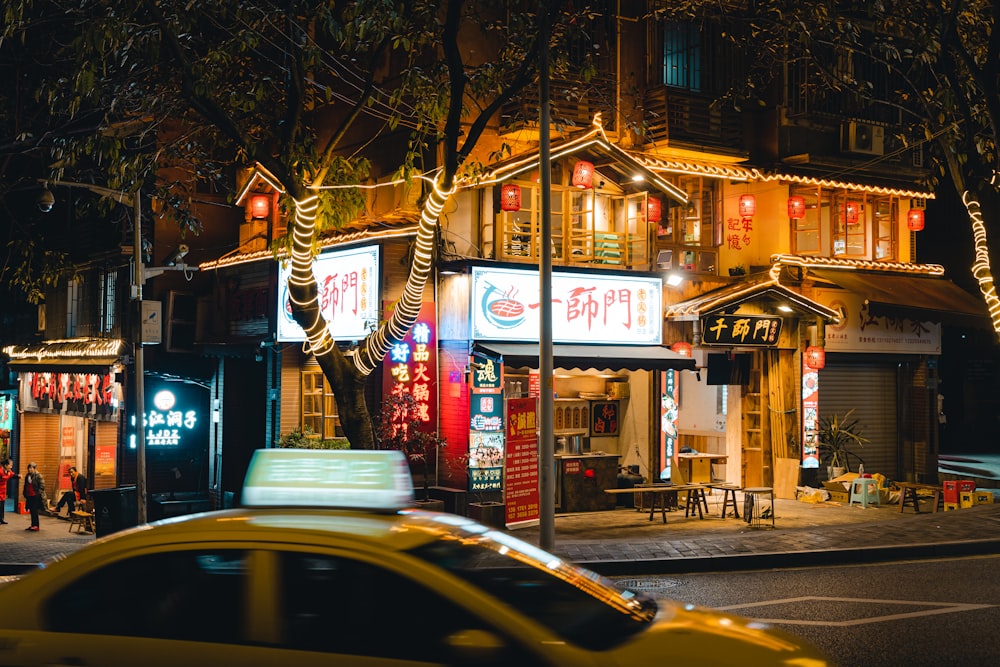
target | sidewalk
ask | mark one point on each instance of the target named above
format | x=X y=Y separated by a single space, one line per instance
x=625 y=541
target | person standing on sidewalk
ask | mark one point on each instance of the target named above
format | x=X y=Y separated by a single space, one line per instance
x=34 y=491
x=6 y=474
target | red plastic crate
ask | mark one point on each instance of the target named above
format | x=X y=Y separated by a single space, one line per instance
x=954 y=487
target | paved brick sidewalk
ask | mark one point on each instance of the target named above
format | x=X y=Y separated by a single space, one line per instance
x=624 y=541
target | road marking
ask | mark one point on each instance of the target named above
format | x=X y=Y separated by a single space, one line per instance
x=937 y=608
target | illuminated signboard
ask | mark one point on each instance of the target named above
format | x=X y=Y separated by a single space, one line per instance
x=586 y=308
x=92 y=395
x=175 y=416
x=350 y=478
x=348 y=282
x=740 y=330
x=410 y=367
x=810 y=416
x=486 y=424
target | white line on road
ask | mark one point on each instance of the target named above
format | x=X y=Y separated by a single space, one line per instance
x=937 y=608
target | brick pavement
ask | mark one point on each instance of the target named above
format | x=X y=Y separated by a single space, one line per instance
x=624 y=541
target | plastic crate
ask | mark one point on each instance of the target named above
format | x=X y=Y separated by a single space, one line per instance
x=953 y=487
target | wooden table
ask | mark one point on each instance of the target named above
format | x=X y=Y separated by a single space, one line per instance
x=697 y=468
x=909 y=494
x=659 y=493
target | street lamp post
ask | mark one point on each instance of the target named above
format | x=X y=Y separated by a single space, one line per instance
x=139 y=277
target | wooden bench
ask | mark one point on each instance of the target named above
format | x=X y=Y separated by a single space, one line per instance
x=659 y=493
x=909 y=494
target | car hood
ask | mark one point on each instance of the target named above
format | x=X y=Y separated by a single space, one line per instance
x=695 y=635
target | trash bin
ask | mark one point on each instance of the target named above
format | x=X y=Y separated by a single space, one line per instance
x=114 y=509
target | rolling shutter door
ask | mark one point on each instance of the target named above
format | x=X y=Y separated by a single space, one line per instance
x=870 y=390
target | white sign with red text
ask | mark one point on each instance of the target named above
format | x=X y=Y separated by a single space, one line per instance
x=860 y=331
x=348 y=282
x=586 y=308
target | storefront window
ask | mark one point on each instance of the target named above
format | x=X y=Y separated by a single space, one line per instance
x=842 y=223
x=806 y=230
x=885 y=211
x=319 y=408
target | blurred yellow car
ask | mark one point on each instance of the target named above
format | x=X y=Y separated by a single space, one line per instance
x=300 y=585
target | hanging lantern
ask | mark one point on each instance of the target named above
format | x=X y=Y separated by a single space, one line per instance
x=915 y=220
x=748 y=206
x=653 y=211
x=583 y=175
x=796 y=207
x=815 y=357
x=510 y=197
x=851 y=212
x=682 y=348
x=260 y=205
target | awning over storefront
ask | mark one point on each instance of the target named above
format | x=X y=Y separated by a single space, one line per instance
x=73 y=355
x=917 y=297
x=773 y=296
x=612 y=357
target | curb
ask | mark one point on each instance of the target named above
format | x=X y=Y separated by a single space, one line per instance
x=764 y=561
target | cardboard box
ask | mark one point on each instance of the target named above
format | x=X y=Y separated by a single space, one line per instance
x=839 y=491
x=840 y=496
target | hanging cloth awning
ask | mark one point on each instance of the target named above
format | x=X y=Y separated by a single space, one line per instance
x=916 y=297
x=611 y=357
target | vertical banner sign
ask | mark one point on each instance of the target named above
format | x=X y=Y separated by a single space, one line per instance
x=668 y=422
x=410 y=367
x=486 y=424
x=810 y=416
x=104 y=461
x=521 y=463
x=67 y=456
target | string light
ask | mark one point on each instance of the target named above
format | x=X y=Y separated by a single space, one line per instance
x=981 y=264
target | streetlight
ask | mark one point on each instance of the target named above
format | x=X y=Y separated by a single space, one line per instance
x=45 y=203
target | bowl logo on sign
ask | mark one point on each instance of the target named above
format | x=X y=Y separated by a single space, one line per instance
x=501 y=309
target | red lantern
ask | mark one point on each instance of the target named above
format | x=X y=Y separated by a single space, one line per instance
x=583 y=175
x=796 y=207
x=851 y=212
x=682 y=348
x=259 y=206
x=915 y=220
x=748 y=206
x=815 y=357
x=653 y=211
x=510 y=197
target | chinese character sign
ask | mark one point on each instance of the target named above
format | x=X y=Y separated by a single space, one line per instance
x=861 y=331
x=348 y=283
x=170 y=420
x=410 y=367
x=741 y=330
x=810 y=416
x=93 y=395
x=586 y=308
x=668 y=422
x=486 y=424
x=521 y=462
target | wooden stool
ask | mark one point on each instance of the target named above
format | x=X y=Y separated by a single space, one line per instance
x=728 y=497
x=695 y=501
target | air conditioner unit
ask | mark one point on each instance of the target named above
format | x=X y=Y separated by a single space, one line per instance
x=863 y=138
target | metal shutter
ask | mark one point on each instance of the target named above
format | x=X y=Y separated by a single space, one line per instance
x=870 y=390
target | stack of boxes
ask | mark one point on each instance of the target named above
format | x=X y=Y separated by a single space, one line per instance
x=960 y=493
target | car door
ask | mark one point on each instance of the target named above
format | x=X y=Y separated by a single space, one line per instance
x=160 y=607
x=348 y=608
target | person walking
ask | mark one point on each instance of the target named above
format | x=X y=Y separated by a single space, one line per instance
x=34 y=491
x=6 y=474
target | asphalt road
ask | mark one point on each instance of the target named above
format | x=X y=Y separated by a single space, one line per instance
x=913 y=613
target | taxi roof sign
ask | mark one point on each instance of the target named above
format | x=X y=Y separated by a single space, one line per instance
x=338 y=478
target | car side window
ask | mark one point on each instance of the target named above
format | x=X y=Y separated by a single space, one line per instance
x=340 y=605
x=196 y=595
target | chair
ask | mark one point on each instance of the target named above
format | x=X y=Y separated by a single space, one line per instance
x=83 y=519
x=865 y=489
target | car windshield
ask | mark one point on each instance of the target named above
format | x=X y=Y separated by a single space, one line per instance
x=577 y=604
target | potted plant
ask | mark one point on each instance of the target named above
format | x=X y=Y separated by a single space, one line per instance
x=399 y=426
x=836 y=434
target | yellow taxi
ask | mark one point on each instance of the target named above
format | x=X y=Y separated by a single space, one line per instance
x=357 y=582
